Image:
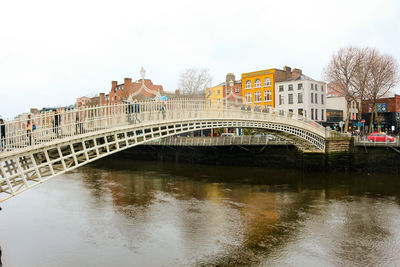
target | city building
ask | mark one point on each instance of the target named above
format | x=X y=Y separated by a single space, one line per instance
x=230 y=90
x=388 y=110
x=259 y=86
x=302 y=95
x=336 y=109
x=129 y=90
x=215 y=96
x=90 y=101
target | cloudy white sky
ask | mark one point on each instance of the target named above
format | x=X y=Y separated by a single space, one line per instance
x=52 y=52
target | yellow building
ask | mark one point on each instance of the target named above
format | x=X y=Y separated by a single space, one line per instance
x=259 y=86
x=215 y=96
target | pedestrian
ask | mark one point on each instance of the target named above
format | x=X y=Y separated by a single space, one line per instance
x=2 y=135
x=29 y=129
x=163 y=109
x=79 y=119
x=56 y=122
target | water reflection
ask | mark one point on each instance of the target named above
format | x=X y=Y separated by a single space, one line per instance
x=154 y=214
x=246 y=215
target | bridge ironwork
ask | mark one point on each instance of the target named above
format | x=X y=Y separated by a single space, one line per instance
x=244 y=140
x=60 y=142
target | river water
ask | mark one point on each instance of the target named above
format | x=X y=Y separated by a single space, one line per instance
x=123 y=213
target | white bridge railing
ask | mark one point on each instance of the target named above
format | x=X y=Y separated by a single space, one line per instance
x=36 y=129
x=219 y=141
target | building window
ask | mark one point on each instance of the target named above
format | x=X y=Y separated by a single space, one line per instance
x=312 y=86
x=312 y=97
x=290 y=98
x=281 y=100
x=267 y=95
x=322 y=114
x=316 y=87
x=322 y=99
x=322 y=88
x=227 y=91
x=300 y=111
x=300 y=98
x=257 y=83
x=316 y=114
x=257 y=97
x=299 y=86
x=280 y=88
x=290 y=110
x=316 y=98
x=218 y=92
x=312 y=114
x=267 y=82
x=237 y=89
x=290 y=87
x=248 y=85
x=248 y=97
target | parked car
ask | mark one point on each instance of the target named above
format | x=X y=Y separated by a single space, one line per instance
x=380 y=137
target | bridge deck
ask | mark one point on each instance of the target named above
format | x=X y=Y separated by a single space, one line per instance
x=67 y=140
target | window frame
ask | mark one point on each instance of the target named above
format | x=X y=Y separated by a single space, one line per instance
x=267 y=82
x=267 y=95
x=248 y=84
x=290 y=99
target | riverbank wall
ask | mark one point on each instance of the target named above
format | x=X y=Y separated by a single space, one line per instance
x=340 y=156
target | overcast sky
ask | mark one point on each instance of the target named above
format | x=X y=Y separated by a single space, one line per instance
x=52 y=52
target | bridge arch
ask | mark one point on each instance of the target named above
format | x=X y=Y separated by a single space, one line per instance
x=26 y=167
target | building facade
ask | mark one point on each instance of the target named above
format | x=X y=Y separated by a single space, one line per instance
x=215 y=96
x=388 y=110
x=336 y=109
x=303 y=96
x=140 y=89
x=259 y=86
x=225 y=93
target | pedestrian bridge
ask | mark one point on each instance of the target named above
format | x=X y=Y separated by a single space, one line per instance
x=62 y=141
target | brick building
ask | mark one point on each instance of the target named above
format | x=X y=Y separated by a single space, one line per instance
x=388 y=111
x=217 y=95
x=141 y=89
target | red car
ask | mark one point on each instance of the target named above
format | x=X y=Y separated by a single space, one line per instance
x=380 y=137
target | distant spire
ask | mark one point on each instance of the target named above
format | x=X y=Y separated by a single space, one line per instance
x=142 y=73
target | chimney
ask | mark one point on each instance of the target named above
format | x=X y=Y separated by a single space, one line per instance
x=102 y=98
x=296 y=73
x=113 y=86
x=128 y=83
x=288 y=71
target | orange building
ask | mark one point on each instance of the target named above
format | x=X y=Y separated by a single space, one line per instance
x=259 y=86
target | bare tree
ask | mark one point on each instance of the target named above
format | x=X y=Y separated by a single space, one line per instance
x=340 y=72
x=383 y=77
x=194 y=81
x=362 y=76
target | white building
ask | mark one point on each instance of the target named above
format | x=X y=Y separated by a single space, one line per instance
x=336 y=106
x=302 y=95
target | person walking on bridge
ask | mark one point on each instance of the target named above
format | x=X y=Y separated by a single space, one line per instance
x=56 y=123
x=29 y=129
x=2 y=135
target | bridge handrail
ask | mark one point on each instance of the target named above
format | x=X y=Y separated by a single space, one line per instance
x=49 y=126
x=218 y=141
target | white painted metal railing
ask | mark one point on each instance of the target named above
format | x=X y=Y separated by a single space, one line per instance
x=218 y=141
x=45 y=127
